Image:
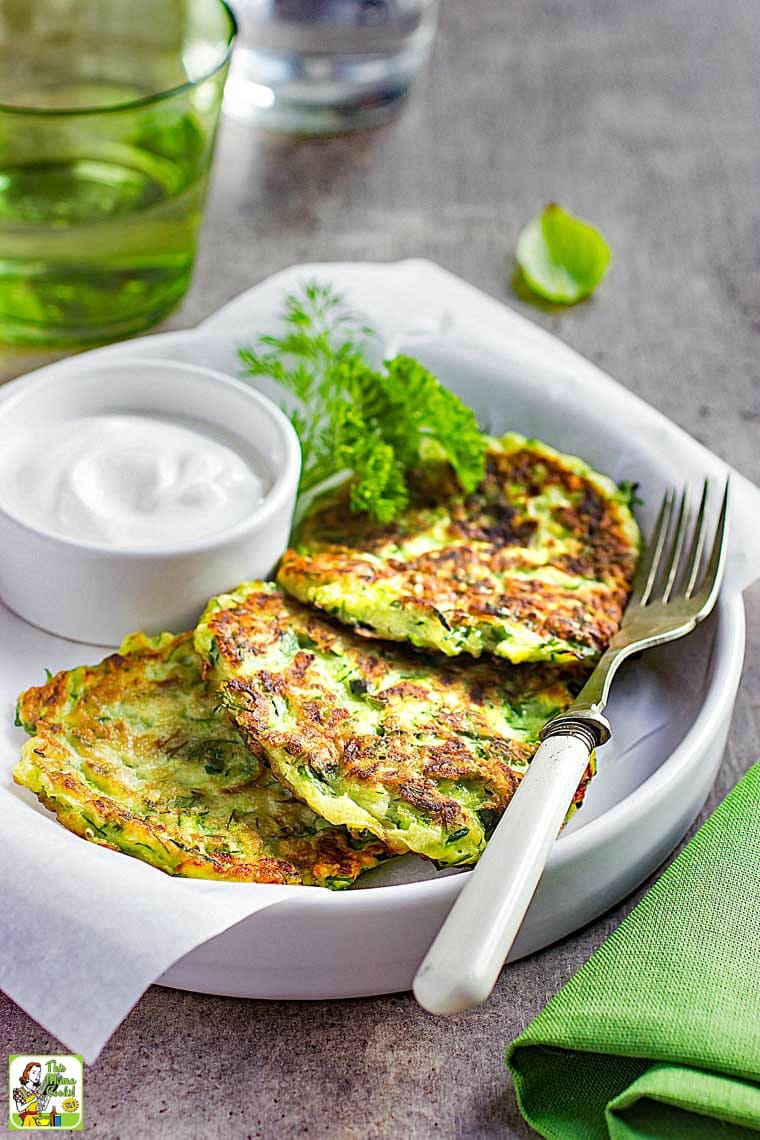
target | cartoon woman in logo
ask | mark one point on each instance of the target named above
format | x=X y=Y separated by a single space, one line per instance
x=31 y=1098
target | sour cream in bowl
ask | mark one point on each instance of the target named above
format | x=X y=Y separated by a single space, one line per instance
x=132 y=491
x=131 y=481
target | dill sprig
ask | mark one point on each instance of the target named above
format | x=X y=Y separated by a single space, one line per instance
x=354 y=421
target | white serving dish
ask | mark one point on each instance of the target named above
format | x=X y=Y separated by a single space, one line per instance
x=670 y=710
x=367 y=942
x=371 y=941
x=94 y=592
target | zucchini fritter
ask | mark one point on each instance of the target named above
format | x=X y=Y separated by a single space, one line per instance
x=422 y=752
x=535 y=565
x=135 y=754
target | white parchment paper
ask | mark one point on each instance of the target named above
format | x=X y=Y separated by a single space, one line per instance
x=86 y=930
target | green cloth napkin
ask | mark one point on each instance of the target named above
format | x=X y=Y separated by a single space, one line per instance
x=658 y=1035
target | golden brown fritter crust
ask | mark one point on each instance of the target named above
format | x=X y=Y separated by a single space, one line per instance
x=423 y=752
x=136 y=755
x=536 y=564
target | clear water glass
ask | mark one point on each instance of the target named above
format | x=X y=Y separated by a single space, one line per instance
x=108 y=113
x=325 y=66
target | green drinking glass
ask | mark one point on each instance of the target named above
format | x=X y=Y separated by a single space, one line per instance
x=108 y=114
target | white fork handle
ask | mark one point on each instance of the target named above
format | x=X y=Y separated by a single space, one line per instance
x=461 y=967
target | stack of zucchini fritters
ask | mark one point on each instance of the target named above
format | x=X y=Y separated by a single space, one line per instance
x=385 y=696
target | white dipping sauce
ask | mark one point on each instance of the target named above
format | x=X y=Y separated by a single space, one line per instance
x=128 y=480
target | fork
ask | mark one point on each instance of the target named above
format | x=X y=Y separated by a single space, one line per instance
x=671 y=594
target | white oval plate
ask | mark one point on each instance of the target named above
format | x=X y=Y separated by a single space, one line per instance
x=670 y=710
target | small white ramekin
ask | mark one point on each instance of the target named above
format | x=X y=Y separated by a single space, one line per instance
x=92 y=592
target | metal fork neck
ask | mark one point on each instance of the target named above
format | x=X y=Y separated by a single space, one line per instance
x=588 y=724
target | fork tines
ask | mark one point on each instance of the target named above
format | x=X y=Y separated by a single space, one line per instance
x=667 y=569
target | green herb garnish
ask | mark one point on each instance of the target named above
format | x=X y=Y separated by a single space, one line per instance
x=357 y=422
x=562 y=258
x=629 y=494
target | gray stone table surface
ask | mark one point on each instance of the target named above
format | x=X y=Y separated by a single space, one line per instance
x=644 y=118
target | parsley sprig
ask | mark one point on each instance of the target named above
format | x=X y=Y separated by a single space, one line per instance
x=357 y=422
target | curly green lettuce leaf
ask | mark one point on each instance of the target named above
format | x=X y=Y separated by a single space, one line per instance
x=420 y=412
x=562 y=258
